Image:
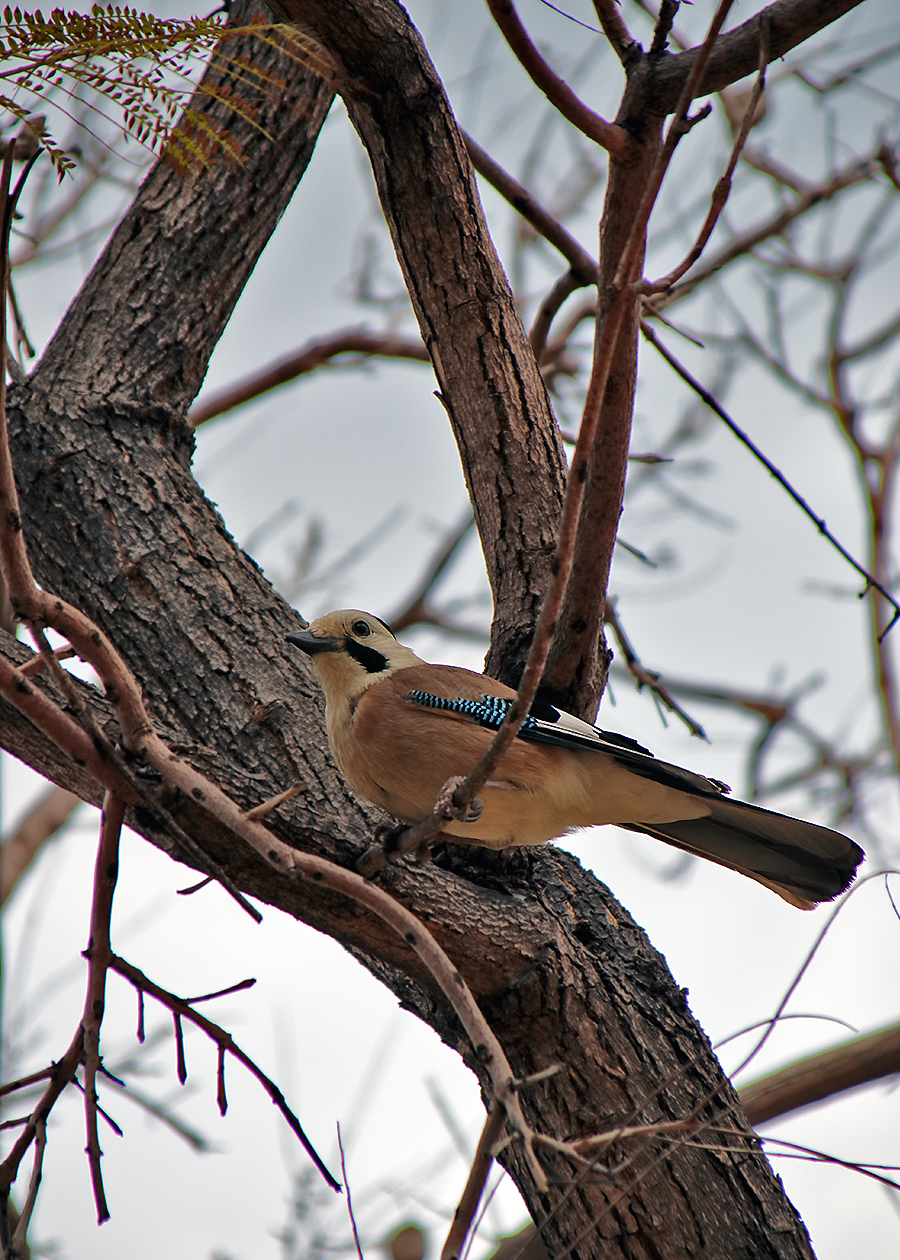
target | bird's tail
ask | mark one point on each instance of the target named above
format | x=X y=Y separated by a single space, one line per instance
x=800 y=861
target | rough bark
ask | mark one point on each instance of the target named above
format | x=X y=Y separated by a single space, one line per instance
x=115 y=522
x=737 y=52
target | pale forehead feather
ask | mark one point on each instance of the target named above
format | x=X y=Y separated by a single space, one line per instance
x=340 y=622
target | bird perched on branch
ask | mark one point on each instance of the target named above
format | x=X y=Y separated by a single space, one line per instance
x=400 y=728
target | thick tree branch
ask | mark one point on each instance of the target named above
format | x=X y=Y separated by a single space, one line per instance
x=576 y=669
x=95 y=351
x=737 y=52
x=811 y=1080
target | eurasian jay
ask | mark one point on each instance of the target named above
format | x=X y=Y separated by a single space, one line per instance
x=399 y=728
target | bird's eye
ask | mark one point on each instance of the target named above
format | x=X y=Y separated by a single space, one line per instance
x=361 y=629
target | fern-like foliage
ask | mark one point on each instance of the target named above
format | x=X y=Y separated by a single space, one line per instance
x=140 y=65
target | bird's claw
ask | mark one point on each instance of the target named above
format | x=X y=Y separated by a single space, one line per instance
x=446 y=806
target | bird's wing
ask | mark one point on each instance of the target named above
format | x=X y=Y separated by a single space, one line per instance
x=546 y=724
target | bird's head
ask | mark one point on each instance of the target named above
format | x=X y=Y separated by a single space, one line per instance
x=350 y=650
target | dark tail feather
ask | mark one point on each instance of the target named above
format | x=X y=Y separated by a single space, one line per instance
x=800 y=861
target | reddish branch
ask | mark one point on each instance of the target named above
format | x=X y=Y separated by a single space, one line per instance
x=576 y=671
x=611 y=137
x=456 y=798
x=311 y=356
x=723 y=187
x=182 y=1009
x=615 y=30
x=521 y=200
x=857 y=173
x=61 y=1074
x=737 y=52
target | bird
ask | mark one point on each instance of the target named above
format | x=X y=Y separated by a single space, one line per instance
x=400 y=728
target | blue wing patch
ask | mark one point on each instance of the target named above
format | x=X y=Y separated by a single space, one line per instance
x=546 y=724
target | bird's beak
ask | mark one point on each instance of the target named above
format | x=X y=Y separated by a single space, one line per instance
x=311 y=644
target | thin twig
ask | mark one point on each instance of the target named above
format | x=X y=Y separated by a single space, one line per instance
x=565 y=286
x=806 y=964
x=25 y=1081
x=415 y=610
x=680 y=125
x=858 y=173
x=359 y=1250
x=61 y=1074
x=522 y=201
x=40 y=1146
x=644 y=677
x=714 y=405
x=823 y=1075
x=181 y=1010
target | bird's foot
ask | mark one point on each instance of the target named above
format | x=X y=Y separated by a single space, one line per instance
x=392 y=843
x=446 y=806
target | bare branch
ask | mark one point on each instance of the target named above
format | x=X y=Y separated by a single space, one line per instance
x=858 y=172
x=871 y=582
x=18 y=1246
x=99 y=956
x=576 y=672
x=565 y=286
x=311 y=356
x=181 y=1009
x=521 y=200
x=416 y=610
x=615 y=30
x=608 y=135
x=61 y=1074
x=478 y=1175
x=737 y=52
x=644 y=677
x=823 y=1075
x=723 y=187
